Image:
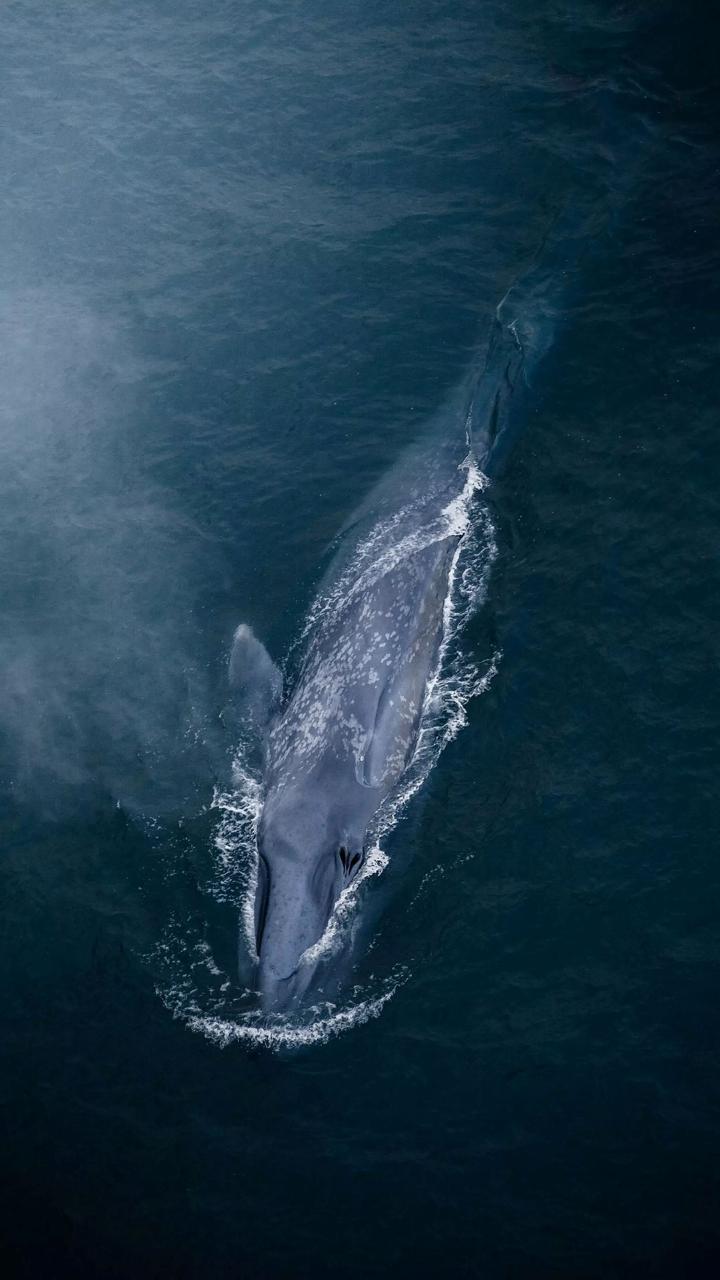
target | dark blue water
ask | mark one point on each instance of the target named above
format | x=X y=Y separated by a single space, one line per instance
x=247 y=253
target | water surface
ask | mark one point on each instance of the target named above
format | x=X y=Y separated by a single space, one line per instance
x=247 y=254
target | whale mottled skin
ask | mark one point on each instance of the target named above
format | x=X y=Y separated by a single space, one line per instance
x=340 y=747
x=341 y=741
x=345 y=736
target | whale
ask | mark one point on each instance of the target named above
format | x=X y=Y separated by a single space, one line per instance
x=339 y=748
x=340 y=739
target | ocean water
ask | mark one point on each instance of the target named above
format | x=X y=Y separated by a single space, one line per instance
x=247 y=254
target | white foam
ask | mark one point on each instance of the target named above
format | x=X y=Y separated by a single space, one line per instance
x=236 y=844
x=224 y=1031
x=344 y=910
x=194 y=989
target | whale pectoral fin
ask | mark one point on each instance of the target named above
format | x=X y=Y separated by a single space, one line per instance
x=254 y=678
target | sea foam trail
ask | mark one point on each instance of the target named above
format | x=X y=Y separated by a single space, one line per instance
x=200 y=996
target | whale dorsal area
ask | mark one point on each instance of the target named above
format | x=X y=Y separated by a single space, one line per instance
x=394 y=728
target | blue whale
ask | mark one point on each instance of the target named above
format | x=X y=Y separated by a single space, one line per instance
x=341 y=740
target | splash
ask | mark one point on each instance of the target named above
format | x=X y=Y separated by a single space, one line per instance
x=194 y=988
x=236 y=844
x=224 y=1032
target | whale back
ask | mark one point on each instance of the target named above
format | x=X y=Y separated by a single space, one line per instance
x=372 y=644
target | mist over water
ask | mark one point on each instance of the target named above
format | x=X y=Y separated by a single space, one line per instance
x=103 y=689
x=248 y=256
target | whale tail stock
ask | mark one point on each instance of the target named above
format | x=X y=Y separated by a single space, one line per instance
x=522 y=332
x=537 y=302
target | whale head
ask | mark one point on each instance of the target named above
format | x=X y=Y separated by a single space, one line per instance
x=299 y=883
